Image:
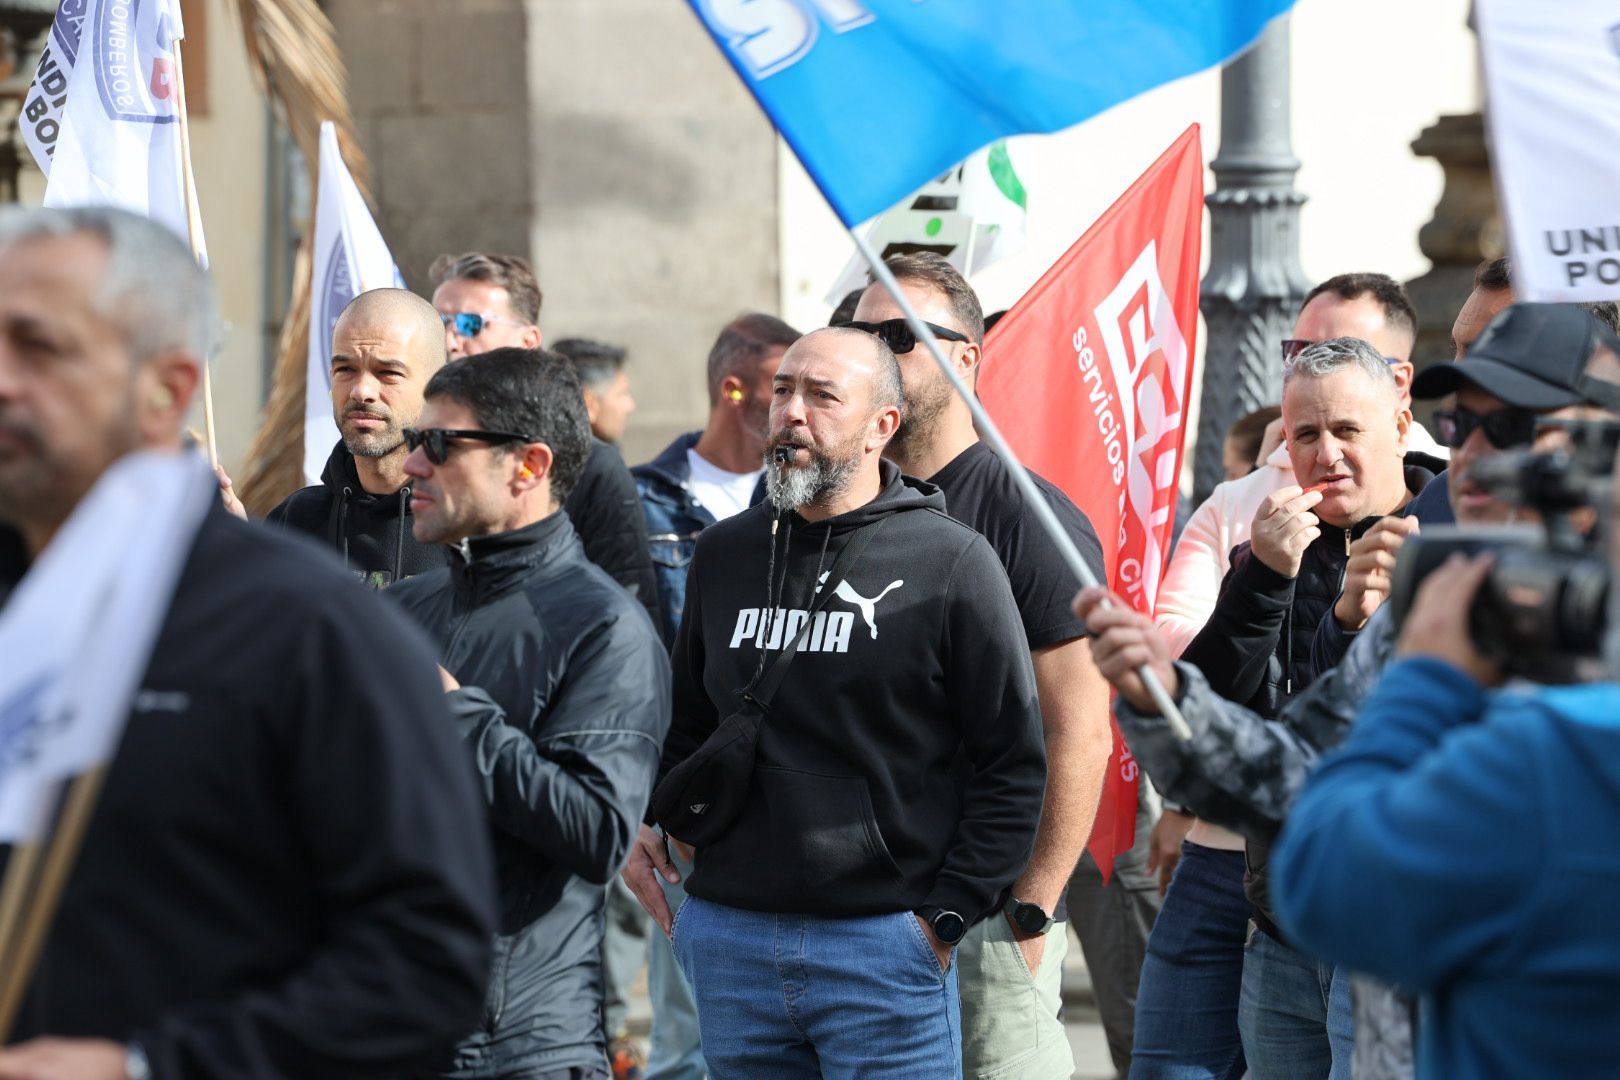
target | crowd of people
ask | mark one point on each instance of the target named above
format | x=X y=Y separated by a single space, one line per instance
x=804 y=716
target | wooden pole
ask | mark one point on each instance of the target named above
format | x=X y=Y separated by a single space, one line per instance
x=60 y=852
x=194 y=232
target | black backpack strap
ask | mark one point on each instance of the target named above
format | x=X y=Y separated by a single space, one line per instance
x=770 y=681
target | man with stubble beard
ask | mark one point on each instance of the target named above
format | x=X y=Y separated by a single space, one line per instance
x=386 y=345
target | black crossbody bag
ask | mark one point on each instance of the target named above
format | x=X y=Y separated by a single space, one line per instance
x=701 y=797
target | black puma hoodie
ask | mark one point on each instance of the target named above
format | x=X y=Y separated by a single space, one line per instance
x=901 y=765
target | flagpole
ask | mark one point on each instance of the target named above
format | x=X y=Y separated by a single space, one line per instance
x=1032 y=494
x=194 y=234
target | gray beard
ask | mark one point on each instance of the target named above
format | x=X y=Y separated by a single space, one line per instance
x=789 y=487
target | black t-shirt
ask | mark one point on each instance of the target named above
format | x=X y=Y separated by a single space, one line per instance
x=980 y=492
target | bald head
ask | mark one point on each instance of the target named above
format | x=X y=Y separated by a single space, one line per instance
x=869 y=352
x=385 y=346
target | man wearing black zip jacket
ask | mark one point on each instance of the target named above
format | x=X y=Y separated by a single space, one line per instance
x=900 y=768
x=1345 y=430
x=386 y=345
x=558 y=685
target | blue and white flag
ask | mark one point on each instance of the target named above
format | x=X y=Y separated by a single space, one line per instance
x=351 y=257
x=877 y=97
x=78 y=631
x=41 y=116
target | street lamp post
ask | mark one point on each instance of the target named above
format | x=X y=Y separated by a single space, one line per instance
x=1255 y=282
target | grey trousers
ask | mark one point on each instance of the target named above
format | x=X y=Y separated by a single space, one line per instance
x=1112 y=922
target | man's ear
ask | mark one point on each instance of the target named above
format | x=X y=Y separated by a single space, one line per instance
x=967 y=361
x=164 y=387
x=1403 y=425
x=1403 y=372
x=532 y=338
x=533 y=467
x=884 y=424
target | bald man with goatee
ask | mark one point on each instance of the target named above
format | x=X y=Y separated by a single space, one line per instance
x=385 y=347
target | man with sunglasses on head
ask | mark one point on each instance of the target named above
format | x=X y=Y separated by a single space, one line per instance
x=558 y=684
x=1010 y=966
x=489 y=301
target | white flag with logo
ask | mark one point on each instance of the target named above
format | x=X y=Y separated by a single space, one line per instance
x=1552 y=76
x=351 y=257
x=78 y=631
x=120 y=138
x=41 y=116
x=975 y=215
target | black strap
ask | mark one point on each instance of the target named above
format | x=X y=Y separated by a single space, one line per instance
x=764 y=689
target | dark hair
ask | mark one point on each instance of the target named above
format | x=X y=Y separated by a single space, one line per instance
x=595 y=362
x=1249 y=430
x=1497 y=274
x=936 y=271
x=1390 y=294
x=528 y=391
x=994 y=317
x=510 y=272
x=845 y=311
x=742 y=344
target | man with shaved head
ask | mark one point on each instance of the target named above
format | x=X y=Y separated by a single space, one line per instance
x=896 y=788
x=386 y=345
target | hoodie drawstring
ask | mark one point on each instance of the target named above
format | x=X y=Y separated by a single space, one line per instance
x=343 y=524
x=399 y=540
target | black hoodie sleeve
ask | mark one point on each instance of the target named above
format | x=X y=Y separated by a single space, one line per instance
x=1235 y=648
x=606 y=512
x=991 y=683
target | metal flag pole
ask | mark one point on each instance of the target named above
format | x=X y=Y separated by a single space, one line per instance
x=1032 y=494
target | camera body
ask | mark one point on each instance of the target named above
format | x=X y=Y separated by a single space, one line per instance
x=1542 y=611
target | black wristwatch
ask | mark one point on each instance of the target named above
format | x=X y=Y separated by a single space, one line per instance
x=947 y=926
x=1029 y=918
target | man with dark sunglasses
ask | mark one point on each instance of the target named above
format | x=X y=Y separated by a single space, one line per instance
x=558 y=684
x=488 y=301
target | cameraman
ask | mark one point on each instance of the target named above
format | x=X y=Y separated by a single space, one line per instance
x=1243 y=771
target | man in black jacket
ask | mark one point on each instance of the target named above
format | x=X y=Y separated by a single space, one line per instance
x=285 y=874
x=900 y=767
x=491 y=301
x=1345 y=430
x=386 y=345
x=558 y=684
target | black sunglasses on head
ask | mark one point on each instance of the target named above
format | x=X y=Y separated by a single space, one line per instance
x=435 y=442
x=1505 y=429
x=897 y=335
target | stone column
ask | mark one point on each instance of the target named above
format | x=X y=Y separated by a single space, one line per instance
x=1254 y=285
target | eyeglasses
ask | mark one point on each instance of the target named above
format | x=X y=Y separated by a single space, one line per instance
x=897 y=335
x=435 y=442
x=1292 y=347
x=1505 y=429
x=469 y=324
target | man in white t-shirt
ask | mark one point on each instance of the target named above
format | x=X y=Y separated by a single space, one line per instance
x=700 y=478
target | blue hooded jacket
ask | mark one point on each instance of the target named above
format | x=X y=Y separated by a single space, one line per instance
x=1465 y=845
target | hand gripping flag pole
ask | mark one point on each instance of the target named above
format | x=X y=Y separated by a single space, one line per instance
x=1032 y=494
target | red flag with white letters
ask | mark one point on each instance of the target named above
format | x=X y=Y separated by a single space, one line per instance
x=1089 y=378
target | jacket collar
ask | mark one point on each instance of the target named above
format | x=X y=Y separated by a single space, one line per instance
x=671 y=465
x=482 y=567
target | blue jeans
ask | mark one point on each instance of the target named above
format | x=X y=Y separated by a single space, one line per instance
x=1187 y=1001
x=1295 y=1014
x=677 y=1051
x=782 y=997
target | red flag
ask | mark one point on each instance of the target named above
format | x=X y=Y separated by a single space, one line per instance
x=1089 y=378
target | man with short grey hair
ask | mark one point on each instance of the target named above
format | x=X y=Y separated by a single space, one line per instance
x=1345 y=429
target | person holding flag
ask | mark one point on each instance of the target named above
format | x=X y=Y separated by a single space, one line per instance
x=1010 y=1026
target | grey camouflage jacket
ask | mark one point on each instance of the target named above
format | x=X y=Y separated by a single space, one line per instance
x=1242 y=771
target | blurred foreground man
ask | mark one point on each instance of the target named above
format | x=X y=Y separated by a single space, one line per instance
x=386 y=345
x=896 y=790
x=286 y=874
x=558 y=685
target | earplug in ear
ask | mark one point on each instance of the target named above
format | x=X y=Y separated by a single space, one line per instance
x=736 y=395
x=525 y=472
x=161 y=398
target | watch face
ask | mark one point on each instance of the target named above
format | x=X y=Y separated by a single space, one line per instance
x=1029 y=918
x=949 y=927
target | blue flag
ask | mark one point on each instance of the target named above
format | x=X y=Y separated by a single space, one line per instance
x=877 y=97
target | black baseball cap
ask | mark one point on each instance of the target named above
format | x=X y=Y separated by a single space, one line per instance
x=1531 y=356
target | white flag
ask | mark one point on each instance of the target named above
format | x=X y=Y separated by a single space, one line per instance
x=41 y=116
x=1552 y=74
x=78 y=631
x=120 y=138
x=351 y=257
x=975 y=215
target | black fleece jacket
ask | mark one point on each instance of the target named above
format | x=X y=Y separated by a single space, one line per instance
x=902 y=764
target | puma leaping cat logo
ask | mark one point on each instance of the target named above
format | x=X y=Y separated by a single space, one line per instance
x=868 y=607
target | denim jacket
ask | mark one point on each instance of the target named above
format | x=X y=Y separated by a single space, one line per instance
x=674 y=519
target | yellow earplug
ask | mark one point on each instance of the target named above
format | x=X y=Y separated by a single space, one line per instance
x=525 y=472
x=736 y=395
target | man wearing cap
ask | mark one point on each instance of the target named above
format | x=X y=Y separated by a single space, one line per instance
x=1242 y=771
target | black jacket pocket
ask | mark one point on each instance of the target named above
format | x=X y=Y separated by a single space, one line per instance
x=827 y=837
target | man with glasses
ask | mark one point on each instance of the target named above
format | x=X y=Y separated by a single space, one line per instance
x=1011 y=964
x=488 y=301
x=558 y=685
